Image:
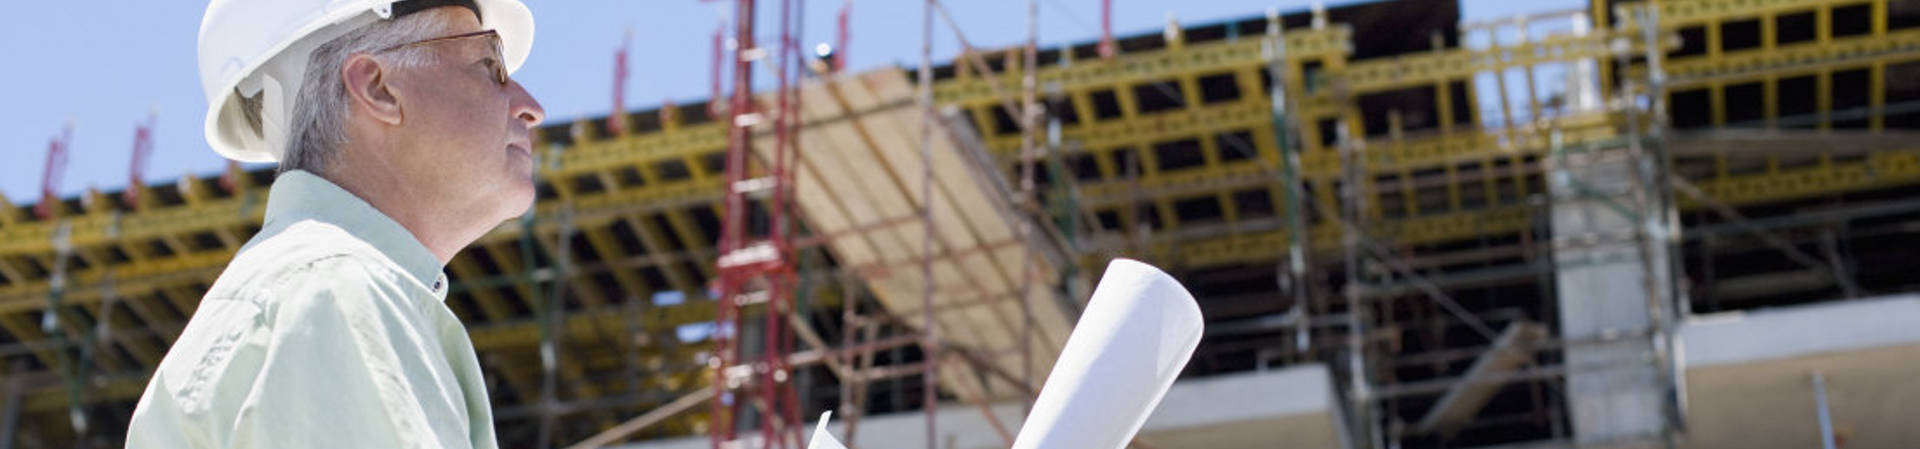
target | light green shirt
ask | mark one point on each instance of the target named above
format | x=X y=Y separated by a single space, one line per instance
x=328 y=330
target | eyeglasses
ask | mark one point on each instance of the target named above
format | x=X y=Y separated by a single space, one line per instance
x=499 y=64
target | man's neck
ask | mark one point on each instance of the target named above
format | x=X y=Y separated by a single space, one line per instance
x=443 y=231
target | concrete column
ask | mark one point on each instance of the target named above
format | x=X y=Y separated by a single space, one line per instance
x=1610 y=280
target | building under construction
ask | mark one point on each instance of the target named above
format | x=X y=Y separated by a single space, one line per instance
x=1667 y=223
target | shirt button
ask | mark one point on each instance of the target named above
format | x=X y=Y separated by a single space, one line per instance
x=436 y=285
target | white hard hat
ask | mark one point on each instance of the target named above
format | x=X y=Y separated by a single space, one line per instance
x=259 y=49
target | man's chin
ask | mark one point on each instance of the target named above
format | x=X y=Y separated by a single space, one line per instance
x=516 y=198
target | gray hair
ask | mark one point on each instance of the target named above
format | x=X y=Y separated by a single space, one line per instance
x=319 y=126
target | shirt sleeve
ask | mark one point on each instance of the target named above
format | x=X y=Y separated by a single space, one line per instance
x=335 y=372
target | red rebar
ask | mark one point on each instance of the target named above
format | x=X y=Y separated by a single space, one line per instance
x=51 y=175
x=616 y=123
x=142 y=150
x=843 y=36
x=1107 y=48
x=719 y=52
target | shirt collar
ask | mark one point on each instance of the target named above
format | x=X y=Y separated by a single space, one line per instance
x=300 y=195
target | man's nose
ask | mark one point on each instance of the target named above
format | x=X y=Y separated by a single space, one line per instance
x=524 y=107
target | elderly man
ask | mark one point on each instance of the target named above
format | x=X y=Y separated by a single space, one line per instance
x=400 y=140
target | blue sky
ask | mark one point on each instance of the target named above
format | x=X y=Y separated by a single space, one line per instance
x=105 y=65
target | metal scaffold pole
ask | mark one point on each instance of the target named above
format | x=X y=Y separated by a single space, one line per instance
x=1293 y=281
x=930 y=344
x=1358 y=372
x=1030 y=113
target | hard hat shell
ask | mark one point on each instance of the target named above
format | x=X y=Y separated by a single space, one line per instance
x=259 y=49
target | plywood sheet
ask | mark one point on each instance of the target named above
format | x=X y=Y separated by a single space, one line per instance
x=860 y=165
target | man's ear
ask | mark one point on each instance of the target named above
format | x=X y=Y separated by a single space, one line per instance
x=368 y=88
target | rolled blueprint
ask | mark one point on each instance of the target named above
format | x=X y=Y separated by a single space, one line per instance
x=1138 y=331
x=823 y=439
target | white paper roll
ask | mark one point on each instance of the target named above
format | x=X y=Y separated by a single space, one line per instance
x=823 y=439
x=1138 y=331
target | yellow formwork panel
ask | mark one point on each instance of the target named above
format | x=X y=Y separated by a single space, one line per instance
x=632 y=149
x=1181 y=62
x=1387 y=158
x=1742 y=66
x=1425 y=69
x=1155 y=65
x=99 y=229
x=1878 y=170
x=141 y=276
x=131 y=279
x=1681 y=13
x=1267 y=245
x=1250 y=113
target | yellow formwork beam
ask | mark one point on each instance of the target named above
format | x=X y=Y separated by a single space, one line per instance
x=1425 y=69
x=607 y=154
x=1848 y=52
x=55 y=398
x=9 y=212
x=603 y=243
x=163 y=326
x=1134 y=68
x=691 y=236
x=1249 y=113
x=24 y=329
x=131 y=279
x=93 y=230
x=1683 y=13
x=492 y=306
x=586 y=325
x=1877 y=171
x=655 y=242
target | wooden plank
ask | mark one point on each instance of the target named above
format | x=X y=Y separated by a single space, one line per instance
x=840 y=203
x=967 y=190
x=1511 y=351
x=892 y=197
x=949 y=239
x=974 y=192
x=855 y=129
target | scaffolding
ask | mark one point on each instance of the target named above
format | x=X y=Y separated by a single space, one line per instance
x=755 y=265
x=976 y=250
x=1383 y=410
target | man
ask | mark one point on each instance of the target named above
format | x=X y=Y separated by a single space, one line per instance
x=400 y=140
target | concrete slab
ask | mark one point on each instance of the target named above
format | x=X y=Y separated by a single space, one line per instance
x=1749 y=375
